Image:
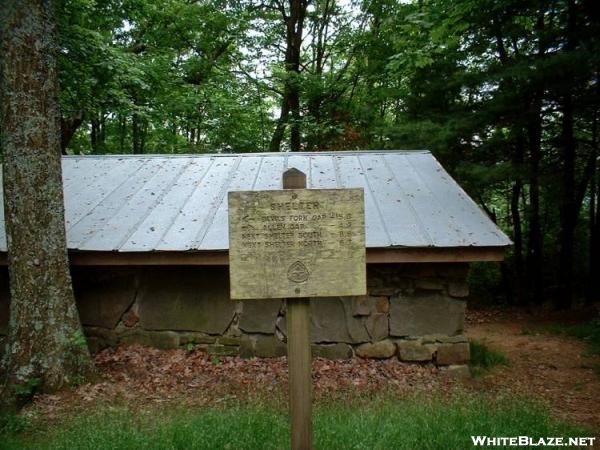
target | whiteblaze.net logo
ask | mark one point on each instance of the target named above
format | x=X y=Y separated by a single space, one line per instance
x=518 y=441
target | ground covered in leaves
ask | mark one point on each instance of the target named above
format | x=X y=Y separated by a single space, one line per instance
x=543 y=365
x=136 y=374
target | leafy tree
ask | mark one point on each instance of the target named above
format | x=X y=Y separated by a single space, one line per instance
x=46 y=349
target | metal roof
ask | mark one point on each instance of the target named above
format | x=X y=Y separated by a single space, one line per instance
x=147 y=203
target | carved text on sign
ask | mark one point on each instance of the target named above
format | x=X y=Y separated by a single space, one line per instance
x=297 y=243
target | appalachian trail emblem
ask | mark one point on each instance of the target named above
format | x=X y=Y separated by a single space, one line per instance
x=298 y=272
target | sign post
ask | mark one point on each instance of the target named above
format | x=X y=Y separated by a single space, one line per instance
x=297 y=244
x=298 y=346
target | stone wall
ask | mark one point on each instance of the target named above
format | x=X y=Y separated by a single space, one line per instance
x=412 y=311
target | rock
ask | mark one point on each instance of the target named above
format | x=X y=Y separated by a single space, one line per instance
x=196 y=338
x=426 y=313
x=269 y=347
x=186 y=299
x=458 y=271
x=281 y=327
x=247 y=346
x=453 y=339
x=332 y=321
x=417 y=270
x=382 y=304
x=432 y=284
x=259 y=316
x=157 y=339
x=456 y=371
x=414 y=351
x=383 y=291
x=378 y=326
x=331 y=351
x=442 y=338
x=458 y=289
x=229 y=340
x=361 y=306
x=100 y=338
x=130 y=318
x=385 y=280
x=103 y=295
x=262 y=346
x=96 y=344
x=380 y=350
x=450 y=354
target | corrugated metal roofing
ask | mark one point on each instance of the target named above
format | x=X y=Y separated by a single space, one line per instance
x=179 y=202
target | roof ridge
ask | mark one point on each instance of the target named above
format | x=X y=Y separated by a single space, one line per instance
x=234 y=155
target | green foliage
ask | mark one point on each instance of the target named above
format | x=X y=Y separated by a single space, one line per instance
x=11 y=424
x=482 y=84
x=483 y=358
x=485 y=281
x=26 y=388
x=424 y=423
x=77 y=340
x=588 y=331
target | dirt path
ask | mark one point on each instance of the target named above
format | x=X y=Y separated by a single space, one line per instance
x=548 y=366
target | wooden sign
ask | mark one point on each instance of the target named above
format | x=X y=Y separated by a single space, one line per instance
x=297 y=243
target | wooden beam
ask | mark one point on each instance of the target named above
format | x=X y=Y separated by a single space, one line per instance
x=221 y=258
x=437 y=254
x=298 y=351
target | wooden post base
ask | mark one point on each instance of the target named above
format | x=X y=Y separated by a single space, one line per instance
x=299 y=367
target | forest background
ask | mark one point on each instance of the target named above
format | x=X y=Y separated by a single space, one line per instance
x=505 y=93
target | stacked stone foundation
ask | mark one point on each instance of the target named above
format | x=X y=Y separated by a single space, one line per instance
x=414 y=312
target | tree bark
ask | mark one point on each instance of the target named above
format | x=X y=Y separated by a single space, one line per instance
x=568 y=209
x=95 y=134
x=122 y=132
x=45 y=346
x=277 y=138
x=534 y=135
x=68 y=127
x=290 y=104
x=534 y=251
x=136 y=134
x=594 y=219
x=515 y=210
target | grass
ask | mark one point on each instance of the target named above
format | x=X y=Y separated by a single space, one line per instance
x=483 y=358
x=588 y=331
x=413 y=423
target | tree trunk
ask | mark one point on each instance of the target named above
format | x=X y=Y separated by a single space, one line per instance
x=45 y=346
x=122 y=132
x=294 y=23
x=595 y=248
x=516 y=217
x=568 y=219
x=277 y=138
x=534 y=253
x=95 y=133
x=102 y=132
x=68 y=127
x=534 y=135
x=136 y=134
x=568 y=209
x=594 y=219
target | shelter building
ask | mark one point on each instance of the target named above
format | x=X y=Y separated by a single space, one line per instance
x=148 y=245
